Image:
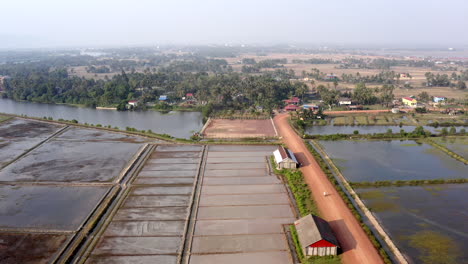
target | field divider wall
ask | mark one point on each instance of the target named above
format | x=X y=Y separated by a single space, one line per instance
x=189 y=228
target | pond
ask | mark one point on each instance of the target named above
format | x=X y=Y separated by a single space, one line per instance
x=392 y=160
x=427 y=223
x=177 y=124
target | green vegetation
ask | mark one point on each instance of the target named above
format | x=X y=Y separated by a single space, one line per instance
x=300 y=189
x=435 y=248
x=405 y=183
x=447 y=151
x=4 y=118
x=328 y=172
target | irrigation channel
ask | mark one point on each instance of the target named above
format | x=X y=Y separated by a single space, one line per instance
x=176 y=124
x=78 y=195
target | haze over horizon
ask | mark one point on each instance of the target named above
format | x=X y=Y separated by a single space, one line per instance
x=55 y=23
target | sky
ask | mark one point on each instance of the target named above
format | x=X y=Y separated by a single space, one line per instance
x=60 y=23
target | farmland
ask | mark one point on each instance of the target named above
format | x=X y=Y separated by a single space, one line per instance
x=411 y=215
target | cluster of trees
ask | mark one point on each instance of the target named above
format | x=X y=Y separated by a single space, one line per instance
x=255 y=67
x=361 y=95
x=226 y=90
x=384 y=77
x=443 y=80
x=99 y=69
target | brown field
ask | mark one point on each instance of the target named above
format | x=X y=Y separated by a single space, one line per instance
x=239 y=128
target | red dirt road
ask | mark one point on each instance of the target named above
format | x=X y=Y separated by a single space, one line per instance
x=357 y=248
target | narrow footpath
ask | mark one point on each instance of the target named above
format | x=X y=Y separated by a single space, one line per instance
x=357 y=248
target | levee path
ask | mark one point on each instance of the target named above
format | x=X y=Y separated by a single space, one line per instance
x=356 y=246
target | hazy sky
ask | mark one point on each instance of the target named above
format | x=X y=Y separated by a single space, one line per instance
x=38 y=23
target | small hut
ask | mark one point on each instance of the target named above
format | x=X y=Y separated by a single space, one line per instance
x=316 y=236
x=285 y=159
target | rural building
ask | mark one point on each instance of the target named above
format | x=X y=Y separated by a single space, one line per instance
x=285 y=159
x=291 y=107
x=331 y=77
x=316 y=236
x=313 y=107
x=133 y=103
x=438 y=99
x=189 y=95
x=293 y=100
x=409 y=101
x=344 y=101
x=163 y=98
x=355 y=107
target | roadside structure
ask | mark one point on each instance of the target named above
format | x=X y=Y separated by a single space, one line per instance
x=344 y=101
x=285 y=158
x=316 y=237
x=409 y=101
x=439 y=99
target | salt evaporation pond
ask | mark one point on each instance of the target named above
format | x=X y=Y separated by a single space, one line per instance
x=392 y=160
x=427 y=223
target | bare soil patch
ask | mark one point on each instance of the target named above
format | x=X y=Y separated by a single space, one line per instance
x=239 y=128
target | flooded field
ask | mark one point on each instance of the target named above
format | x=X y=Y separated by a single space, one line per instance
x=49 y=195
x=428 y=223
x=17 y=136
x=71 y=161
x=392 y=160
x=53 y=208
x=30 y=248
x=329 y=129
x=458 y=145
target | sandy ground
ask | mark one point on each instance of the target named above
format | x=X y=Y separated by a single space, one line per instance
x=239 y=128
x=356 y=246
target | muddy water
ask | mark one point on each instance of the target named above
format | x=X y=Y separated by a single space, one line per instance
x=177 y=124
x=428 y=223
x=68 y=161
x=47 y=207
x=17 y=136
x=30 y=248
x=392 y=160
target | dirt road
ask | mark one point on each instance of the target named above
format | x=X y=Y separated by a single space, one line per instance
x=357 y=248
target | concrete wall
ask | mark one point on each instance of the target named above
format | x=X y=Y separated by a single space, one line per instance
x=287 y=165
x=321 y=251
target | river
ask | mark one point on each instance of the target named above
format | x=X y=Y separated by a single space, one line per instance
x=177 y=124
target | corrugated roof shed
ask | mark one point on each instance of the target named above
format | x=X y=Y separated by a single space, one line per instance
x=281 y=154
x=311 y=229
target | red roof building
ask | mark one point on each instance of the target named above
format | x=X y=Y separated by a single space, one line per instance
x=291 y=107
x=316 y=236
x=294 y=100
x=189 y=95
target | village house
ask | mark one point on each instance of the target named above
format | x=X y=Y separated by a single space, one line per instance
x=133 y=103
x=439 y=99
x=284 y=158
x=344 y=101
x=163 y=98
x=331 y=77
x=293 y=101
x=316 y=236
x=292 y=107
x=409 y=101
